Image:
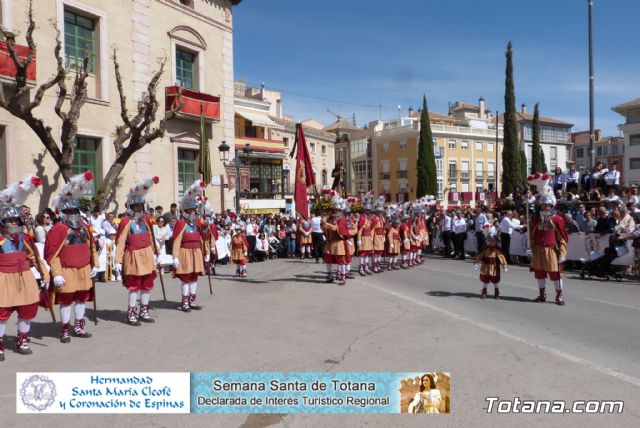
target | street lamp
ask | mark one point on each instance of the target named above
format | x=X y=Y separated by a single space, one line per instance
x=223 y=150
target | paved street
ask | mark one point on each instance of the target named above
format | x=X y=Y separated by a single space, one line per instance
x=285 y=318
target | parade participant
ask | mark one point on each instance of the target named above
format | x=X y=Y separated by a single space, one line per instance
x=405 y=236
x=188 y=244
x=211 y=232
x=548 y=239
x=239 y=252
x=352 y=225
x=18 y=253
x=394 y=243
x=336 y=230
x=415 y=237
x=365 y=241
x=490 y=259
x=304 y=239
x=136 y=252
x=378 y=228
x=71 y=253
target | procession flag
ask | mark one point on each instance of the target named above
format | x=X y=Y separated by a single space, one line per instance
x=204 y=166
x=304 y=173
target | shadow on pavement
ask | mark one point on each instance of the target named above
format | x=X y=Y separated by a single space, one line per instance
x=40 y=330
x=476 y=296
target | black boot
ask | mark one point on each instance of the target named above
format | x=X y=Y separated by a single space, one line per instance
x=192 y=303
x=542 y=297
x=132 y=316
x=144 y=314
x=185 y=304
x=22 y=344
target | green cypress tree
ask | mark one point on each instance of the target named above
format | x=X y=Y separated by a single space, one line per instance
x=427 y=179
x=511 y=171
x=537 y=155
x=522 y=173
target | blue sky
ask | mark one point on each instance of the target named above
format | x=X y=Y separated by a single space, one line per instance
x=363 y=51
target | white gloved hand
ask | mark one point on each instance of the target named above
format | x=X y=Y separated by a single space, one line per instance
x=207 y=258
x=58 y=281
x=94 y=272
x=176 y=263
x=246 y=254
x=504 y=269
x=118 y=267
x=359 y=243
x=529 y=252
x=391 y=247
x=475 y=267
x=561 y=260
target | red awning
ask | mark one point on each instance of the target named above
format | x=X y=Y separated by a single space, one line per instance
x=8 y=68
x=193 y=102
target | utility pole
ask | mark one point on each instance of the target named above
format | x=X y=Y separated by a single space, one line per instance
x=592 y=137
x=497 y=168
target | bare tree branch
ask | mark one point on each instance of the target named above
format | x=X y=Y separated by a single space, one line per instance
x=123 y=99
x=62 y=152
x=136 y=130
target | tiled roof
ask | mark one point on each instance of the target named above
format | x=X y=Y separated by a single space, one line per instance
x=621 y=108
x=528 y=117
x=341 y=124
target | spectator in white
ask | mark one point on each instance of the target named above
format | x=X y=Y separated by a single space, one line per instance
x=445 y=229
x=481 y=220
x=506 y=229
x=96 y=219
x=317 y=236
x=633 y=195
x=612 y=199
x=262 y=248
x=108 y=225
x=625 y=222
x=572 y=179
x=43 y=225
x=597 y=177
x=459 y=228
x=558 y=181
x=161 y=233
x=223 y=245
x=250 y=230
x=612 y=179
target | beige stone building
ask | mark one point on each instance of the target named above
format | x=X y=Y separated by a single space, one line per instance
x=262 y=127
x=467 y=157
x=195 y=37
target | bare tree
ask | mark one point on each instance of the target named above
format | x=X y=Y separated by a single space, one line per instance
x=16 y=99
x=137 y=131
x=131 y=136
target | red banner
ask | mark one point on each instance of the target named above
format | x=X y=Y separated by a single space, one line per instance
x=8 y=68
x=304 y=174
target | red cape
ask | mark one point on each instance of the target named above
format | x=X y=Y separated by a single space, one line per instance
x=55 y=238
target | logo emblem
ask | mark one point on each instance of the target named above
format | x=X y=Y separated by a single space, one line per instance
x=38 y=392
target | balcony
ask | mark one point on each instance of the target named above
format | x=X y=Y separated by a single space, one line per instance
x=262 y=148
x=464 y=175
x=491 y=175
x=193 y=103
x=402 y=174
x=8 y=68
x=479 y=174
x=453 y=175
x=385 y=176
